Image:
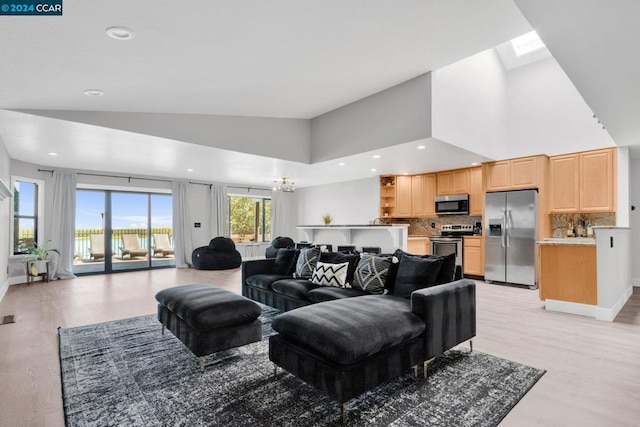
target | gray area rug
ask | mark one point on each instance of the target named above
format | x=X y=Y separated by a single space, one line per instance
x=126 y=373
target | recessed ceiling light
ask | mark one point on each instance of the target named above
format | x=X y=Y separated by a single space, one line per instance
x=120 y=33
x=52 y=154
x=376 y=156
x=405 y=173
x=93 y=92
x=189 y=170
x=341 y=164
x=421 y=147
x=373 y=169
x=475 y=164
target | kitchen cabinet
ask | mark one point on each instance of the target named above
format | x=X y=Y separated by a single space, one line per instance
x=473 y=255
x=424 y=203
x=417 y=195
x=453 y=182
x=418 y=245
x=515 y=174
x=568 y=273
x=476 y=192
x=583 y=182
x=387 y=196
x=403 y=196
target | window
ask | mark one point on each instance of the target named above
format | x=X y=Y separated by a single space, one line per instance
x=249 y=219
x=27 y=199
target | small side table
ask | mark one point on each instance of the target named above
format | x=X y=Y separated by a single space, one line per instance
x=43 y=274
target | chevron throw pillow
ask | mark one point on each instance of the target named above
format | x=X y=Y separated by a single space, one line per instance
x=307 y=262
x=371 y=273
x=330 y=274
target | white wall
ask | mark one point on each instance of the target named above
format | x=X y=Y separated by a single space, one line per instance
x=469 y=104
x=350 y=203
x=546 y=111
x=393 y=116
x=613 y=270
x=5 y=215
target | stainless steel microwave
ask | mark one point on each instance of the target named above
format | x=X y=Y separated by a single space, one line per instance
x=456 y=204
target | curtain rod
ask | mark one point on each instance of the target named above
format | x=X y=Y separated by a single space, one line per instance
x=129 y=178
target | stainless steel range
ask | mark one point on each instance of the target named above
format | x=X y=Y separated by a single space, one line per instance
x=450 y=240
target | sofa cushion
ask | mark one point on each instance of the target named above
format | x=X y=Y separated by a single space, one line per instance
x=264 y=281
x=285 y=262
x=326 y=274
x=307 y=261
x=282 y=242
x=415 y=273
x=371 y=273
x=329 y=293
x=338 y=257
x=351 y=329
x=294 y=288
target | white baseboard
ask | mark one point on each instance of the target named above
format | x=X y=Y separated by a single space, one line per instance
x=571 y=307
x=18 y=280
x=608 y=314
x=3 y=289
x=635 y=282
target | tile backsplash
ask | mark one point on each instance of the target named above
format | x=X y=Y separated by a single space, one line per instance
x=560 y=223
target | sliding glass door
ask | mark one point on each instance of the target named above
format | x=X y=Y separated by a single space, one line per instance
x=117 y=231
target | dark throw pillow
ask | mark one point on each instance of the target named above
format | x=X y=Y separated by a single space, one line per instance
x=371 y=273
x=285 y=262
x=307 y=262
x=415 y=273
x=447 y=270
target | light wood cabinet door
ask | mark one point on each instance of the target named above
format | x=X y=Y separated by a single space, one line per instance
x=429 y=194
x=460 y=181
x=476 y=192
x=445 y=183
x=498 y=176
x=597 y=181
x=472 y=256
x=417 y=195
x=403 y=196
x=564 y=180
x=418 y=246
x=523 y=173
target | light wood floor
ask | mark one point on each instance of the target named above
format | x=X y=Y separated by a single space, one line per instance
x=593 y=367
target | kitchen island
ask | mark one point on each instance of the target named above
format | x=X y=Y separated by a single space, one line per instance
x=587 y=276
x=387 y=237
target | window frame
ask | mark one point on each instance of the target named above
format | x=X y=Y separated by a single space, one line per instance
x=263 y=223
x=40 y=213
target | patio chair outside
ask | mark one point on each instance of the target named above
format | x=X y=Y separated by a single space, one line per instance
x=96 y=246
x=131 y=246
x=162 y=245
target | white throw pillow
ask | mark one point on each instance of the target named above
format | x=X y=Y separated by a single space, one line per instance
x=326 y=274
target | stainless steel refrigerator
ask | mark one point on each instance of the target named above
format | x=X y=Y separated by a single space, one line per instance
x=510 y=237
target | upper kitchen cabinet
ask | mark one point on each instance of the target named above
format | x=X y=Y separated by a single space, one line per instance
x=583 y=182
x=453 y=182
x=515 y=174
x=423 y=192
x=403 y=196
x=476 y=192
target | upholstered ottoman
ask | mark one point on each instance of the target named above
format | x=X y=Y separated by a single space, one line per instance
x=209 y=319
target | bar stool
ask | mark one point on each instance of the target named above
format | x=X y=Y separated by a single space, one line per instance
x=346 y=249
x=372 y=249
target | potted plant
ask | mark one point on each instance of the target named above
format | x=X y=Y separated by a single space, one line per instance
x=39 y=254
x=327 y=218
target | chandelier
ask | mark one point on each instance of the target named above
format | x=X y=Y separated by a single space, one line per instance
x=284 y=185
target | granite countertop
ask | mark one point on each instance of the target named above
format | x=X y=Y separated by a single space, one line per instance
x=350 y=225
x=570 y=241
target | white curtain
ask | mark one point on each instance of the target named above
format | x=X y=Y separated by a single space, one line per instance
x=183 y=242
x=63 y=218
x=218 y=210
x=279 y=214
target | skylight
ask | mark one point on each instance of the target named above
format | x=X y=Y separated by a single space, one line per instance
x=527 y=43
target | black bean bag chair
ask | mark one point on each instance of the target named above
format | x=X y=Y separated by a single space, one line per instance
x=277 y=244
x=221 y=254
